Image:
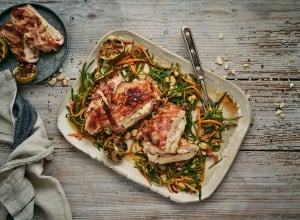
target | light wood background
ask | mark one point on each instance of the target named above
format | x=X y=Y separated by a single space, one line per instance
x=264 y=181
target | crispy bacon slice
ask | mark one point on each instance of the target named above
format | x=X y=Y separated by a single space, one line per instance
x=23 y=52
x=35 y=29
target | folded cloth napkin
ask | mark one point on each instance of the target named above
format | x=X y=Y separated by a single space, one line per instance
x=25 y=193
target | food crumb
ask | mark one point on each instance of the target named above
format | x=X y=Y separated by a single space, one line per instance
x=61 y=76
x=79 y=62
x=52 y=81
x=246 y=65
x=64 y=82
x=281 y=105
x=226 y=66
x=292 y=85
x=278 y=112
x=221 y=36
x=219 y=60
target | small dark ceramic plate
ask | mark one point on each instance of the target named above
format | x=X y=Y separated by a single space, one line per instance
x=48 y=63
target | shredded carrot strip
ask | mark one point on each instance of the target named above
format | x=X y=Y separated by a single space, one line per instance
x=132 y=68
x=183 y=178
x=76 y=135
x=80 y=112
x=199 y=115
x=191 y=187
x=134 y=60
x=98 y=66
x=196 y=90
x=189 y=81
x=148 y=180
x=211 y=121
x=72 y=103
x=212 y=133
x=147 y=56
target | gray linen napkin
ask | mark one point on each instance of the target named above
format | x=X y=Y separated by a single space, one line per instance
x=25 y=193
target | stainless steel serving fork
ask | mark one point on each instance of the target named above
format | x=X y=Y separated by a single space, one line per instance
x=198 y=70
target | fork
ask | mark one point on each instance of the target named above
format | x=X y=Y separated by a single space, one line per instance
x=198 y=70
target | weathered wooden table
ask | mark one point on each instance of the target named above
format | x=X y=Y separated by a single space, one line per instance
x=261 y=46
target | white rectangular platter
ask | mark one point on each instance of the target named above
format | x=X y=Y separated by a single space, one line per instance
x=216 y=86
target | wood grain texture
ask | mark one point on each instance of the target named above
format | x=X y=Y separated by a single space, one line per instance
x=264 y=181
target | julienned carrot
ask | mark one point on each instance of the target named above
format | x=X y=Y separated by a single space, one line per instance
x=199 y=94
x=72 y=103
x=134 y=60
x=199 y=115
x=80 y=112
x=211 y=121
x=189 y=81
x=147 y=56
x=132 y=68
x=191 y=187
x=79 y=136
x=148 y=180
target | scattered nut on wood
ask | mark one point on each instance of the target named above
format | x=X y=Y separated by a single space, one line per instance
x=281 y=105
x=61 y=77
x=226 y=66
x=278 y=112
x=221 y=36
x=292 y=85
x=52 y=81
x=246 y=65
x=219 y=60
x=64 y=82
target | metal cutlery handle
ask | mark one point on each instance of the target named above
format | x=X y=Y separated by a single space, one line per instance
x=198 y=71
x=189 y=40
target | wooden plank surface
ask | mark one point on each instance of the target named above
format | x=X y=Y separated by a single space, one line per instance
x=264 y=181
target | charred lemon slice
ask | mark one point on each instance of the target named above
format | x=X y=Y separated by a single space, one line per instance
x=25 y=72
x=115 y=148
x=3 y=50
x=111 y=48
